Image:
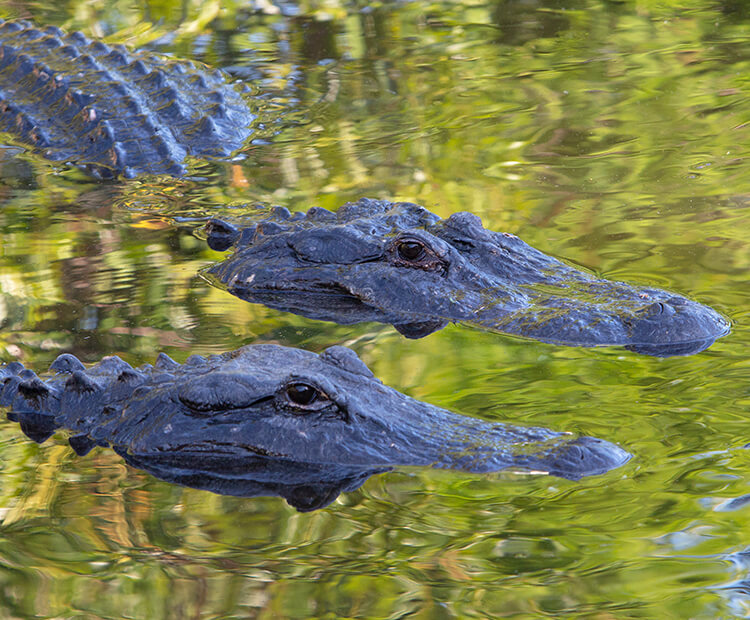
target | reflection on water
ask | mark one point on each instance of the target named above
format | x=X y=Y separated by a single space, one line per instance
x=611 y=135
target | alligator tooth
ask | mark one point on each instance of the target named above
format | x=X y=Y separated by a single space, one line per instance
x=81 y=444
x=81 y=383
x=164 y=362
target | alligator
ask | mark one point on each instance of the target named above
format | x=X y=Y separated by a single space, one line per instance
x=113 y=112
x=272 y=420
x=397 y=263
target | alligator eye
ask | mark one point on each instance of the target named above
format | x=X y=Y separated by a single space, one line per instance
x=301 y=394
x=410 y=250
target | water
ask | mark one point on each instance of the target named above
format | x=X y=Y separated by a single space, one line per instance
x=613 y=135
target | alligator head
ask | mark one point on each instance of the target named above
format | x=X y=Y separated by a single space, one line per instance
x=398 y=263
x=267 y=419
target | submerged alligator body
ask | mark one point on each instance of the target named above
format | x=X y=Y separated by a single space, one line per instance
x=271 y=420
x=112 y=111
x=398 y=263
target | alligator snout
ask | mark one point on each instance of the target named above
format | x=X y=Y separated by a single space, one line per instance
x=587 y=456
x=675 y=326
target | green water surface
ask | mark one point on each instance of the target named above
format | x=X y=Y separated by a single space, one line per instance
x=614 y=134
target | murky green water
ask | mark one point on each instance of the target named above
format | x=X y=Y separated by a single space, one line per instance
x=613 y=134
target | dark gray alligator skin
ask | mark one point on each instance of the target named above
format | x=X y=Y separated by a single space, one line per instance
x=113 y=111
x=397 y=263
x=272 y=420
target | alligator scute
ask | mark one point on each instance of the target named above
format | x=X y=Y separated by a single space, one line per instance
x=112 y=111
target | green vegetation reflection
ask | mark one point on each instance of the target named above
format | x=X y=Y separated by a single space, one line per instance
x=613 y=134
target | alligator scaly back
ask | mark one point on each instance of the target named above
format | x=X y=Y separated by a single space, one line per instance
x=113 y=111
x=271 y=420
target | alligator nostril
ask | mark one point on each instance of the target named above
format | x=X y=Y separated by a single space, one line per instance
x=656 y=309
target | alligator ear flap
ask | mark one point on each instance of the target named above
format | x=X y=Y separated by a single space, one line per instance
x=419 y=330
x=221 y=235
x=81 y=444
